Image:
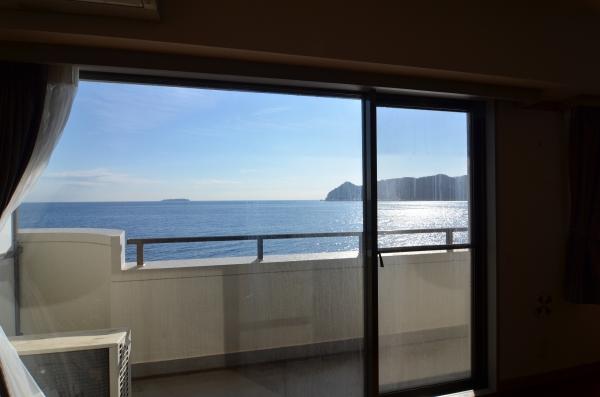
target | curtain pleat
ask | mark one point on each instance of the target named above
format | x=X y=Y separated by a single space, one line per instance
x=60 y=92
x=22 y=96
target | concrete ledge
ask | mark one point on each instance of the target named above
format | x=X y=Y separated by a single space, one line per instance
x=75 y=235
x=216 y=267
x=242 y=260
x=424 y=336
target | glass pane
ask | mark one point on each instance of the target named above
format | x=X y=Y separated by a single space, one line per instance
x=263 y=297
x=423 y=200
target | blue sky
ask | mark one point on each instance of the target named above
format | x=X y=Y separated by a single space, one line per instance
x=138 y=142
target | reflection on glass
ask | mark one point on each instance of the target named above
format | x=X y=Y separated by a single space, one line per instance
x=423 y=200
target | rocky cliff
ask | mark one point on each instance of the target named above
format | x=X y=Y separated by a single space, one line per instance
x=428 y=188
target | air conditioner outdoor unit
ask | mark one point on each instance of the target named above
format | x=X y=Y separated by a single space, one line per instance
x=88 y=363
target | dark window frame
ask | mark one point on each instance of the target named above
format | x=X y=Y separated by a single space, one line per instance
x=372 y=98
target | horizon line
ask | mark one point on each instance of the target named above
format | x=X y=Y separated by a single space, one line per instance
x=168 y=201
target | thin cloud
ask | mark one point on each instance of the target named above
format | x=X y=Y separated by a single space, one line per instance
x=211 y=181
x=94 y=177
x=271 y=110
x=126 y=109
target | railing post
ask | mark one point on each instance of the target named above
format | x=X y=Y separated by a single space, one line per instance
x=259 y=249
x=360 y=244
x=449 y=236
x=140 y=254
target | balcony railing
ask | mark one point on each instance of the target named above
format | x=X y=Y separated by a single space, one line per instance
x=260 y=238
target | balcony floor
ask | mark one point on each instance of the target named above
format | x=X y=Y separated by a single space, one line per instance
x=331 y=376
x=308 y=377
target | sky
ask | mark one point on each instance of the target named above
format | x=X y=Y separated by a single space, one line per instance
x=133 y=142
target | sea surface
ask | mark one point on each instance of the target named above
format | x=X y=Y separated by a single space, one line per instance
x=228 y=218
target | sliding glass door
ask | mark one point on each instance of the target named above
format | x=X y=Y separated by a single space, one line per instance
x=254 y=248
x=427 y=212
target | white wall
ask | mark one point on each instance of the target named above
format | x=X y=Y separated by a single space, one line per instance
x=65 y=278
x=210 y=311
x=532 y=229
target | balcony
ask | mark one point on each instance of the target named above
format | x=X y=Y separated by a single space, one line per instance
x=267 y=325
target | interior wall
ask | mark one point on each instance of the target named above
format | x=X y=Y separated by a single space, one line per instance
x=532 y=224
x=534 y=42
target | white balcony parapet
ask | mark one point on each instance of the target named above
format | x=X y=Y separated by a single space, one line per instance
x=77 y=279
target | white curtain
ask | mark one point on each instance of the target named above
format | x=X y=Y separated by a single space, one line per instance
x=60 y=92
x=19 y=381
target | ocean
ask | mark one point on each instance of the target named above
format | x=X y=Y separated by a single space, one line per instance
x=223 y=218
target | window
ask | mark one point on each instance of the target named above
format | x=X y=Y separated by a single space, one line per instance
x=231 y=231
x=166 y=162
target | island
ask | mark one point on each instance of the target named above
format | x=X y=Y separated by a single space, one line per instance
x=438 y=187
x=175 y=200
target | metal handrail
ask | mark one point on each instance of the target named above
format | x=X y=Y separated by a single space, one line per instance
x=140 y=242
